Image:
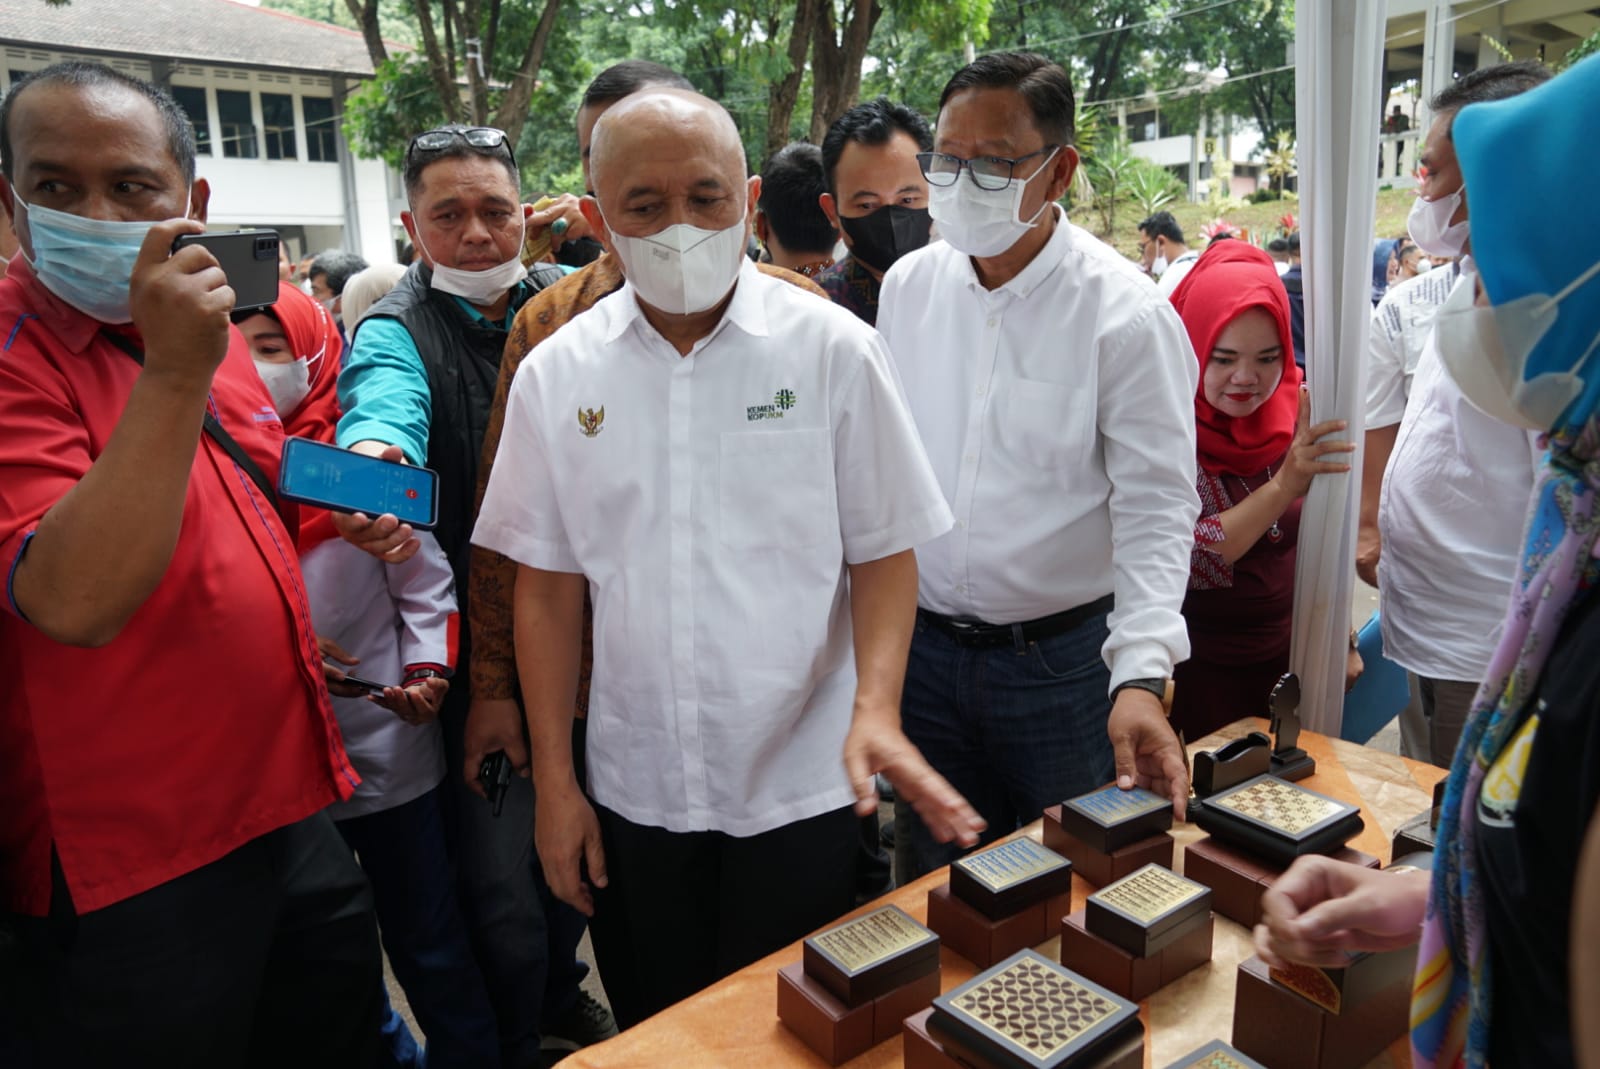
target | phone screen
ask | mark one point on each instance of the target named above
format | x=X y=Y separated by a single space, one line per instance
x=325 y=475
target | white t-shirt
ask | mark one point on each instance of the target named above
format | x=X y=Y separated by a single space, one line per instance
x=1058 y=412
x=1175 y=272
x=1451 y=516
x=713 y=501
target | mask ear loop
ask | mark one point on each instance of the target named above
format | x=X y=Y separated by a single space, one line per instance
x=1594 y=269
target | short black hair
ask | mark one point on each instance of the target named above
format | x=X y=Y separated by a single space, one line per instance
x=627 y=78
x=1043 y=83
x=1278 y=245
x=874 y=122
x=1294 y=243
x=1499 y=82
x=792 y=182
x=1163 y=225
x=338 y=265
x=418 y=160
x=82 y=75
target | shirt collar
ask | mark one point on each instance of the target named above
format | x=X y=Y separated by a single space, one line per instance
x=747 y=310
x=1041 y=267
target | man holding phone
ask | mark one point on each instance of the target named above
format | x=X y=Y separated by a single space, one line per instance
x=418 y=385
x=177 y=895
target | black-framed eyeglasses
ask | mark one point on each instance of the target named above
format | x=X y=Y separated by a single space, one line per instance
x=484 y=137
x=988 y=172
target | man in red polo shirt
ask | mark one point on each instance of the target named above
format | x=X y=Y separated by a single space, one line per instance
x=166 y=741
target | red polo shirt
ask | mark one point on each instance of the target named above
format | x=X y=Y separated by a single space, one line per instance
x=205 y=723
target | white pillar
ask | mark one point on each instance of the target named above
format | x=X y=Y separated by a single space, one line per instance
x=1438 y=58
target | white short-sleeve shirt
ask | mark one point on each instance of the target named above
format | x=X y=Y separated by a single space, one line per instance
x=712 y=501
x=1058 y=412
x=1450 y=515
x=1400 y=326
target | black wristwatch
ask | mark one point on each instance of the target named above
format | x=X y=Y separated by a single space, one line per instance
x=1158 y=687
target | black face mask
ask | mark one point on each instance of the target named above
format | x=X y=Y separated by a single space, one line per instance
x=881 y=238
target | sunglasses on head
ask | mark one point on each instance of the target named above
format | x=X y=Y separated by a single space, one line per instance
x=484 y=137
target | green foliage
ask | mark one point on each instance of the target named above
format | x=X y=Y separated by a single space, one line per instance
x=1111 y=169
x=381 y=116
x=1245 y=37
x=397 y=21
x=1153 y=187
x=1583 y=49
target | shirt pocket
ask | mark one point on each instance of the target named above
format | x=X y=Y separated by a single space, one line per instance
x=776 y=489
x=1044 y=423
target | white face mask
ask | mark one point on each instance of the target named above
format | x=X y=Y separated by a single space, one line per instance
x=289 y=384
x=683 y=269
x=1281 y=266
x=479 y=287
x=984 y=222
x=1423 y=264
x=1486 y=350
x=1159 y=265
x=1430 y=226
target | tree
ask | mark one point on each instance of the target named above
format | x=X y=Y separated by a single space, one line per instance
x=1245 y=40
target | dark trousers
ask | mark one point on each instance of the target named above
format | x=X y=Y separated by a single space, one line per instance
x=525 y=939
x=403 y=852
x=266 y=957
x=681 y=910
x=1014 y=730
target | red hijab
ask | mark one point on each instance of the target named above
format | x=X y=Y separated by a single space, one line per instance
x=311 y=334
x=1232 y=277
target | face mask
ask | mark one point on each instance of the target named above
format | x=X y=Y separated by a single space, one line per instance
x=885 y=235
x=1159 y=265
x=289 y=384
x=86 y=262
x=1430 y=226
x=1486 y=351
x=982 y=222
x=684 y=269
x=1281 y=266
x=478 y=287
x=1423 y=264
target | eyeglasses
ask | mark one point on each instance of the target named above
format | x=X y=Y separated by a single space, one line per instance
x=485 y=137
x=988 y=172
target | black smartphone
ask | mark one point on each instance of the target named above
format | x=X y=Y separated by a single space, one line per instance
x=250 y=260
x=315 y=473
x=495 y=775
x=364 y=684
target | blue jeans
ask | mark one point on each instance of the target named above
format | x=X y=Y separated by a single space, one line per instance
x=526 y=939
x=1012 y=730
x=413 y=887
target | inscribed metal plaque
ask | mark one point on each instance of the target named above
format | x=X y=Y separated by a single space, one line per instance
x=1150 y=893
x=1279 y=805
x=1031 y=1005
x=864 y=942
x=1009 y=864
x=1113 y=804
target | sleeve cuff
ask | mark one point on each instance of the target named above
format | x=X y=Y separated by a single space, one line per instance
x=370 y=430
x=907 y=534
x=1140 y=660
x=1208 y=532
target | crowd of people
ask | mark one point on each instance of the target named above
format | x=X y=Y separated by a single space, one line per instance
x=944 y=495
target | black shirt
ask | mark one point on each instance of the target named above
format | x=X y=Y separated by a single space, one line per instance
x=1534 y=810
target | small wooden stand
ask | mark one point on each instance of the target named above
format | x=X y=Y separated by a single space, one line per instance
x=1287 y=1030
x=984 y=941
x=1238 y=880
x=1133 y=977
x=838 y=1032
x=1100 y=867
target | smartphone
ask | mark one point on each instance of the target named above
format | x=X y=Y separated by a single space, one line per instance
x=250 y=260
x=365 y=684
x=314 y=473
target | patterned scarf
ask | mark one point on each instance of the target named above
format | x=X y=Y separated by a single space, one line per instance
x=1450 y=1000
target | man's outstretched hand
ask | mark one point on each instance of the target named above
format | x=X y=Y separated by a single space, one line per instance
x=1147 y=750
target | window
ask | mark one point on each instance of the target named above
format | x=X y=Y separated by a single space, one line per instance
x=238 y=125
x=1141 y=125
x=322 y=139
x=277 y=120
x=192 y=99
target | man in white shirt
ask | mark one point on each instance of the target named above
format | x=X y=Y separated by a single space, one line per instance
x=1455 y=483
x=717 y=452
x=1054 y=390
x=1162 y=252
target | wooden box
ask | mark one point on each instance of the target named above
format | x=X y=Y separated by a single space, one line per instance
x=933 y=1049
x=1238 y=880
x=1098 y=867
x=1287 y=1031
x=984 y=941
x=1009 y=877
x=870 y=955
x=1144 y=911
x=1132 y=977
x=1278 y=821
x=1111 y=818
x=838 y=1032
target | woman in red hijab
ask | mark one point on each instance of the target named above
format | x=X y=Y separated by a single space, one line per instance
x=1254 y=467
